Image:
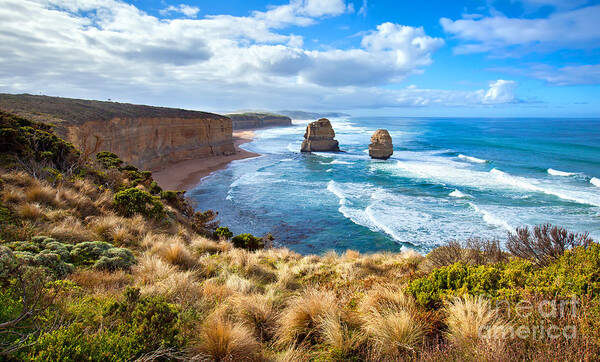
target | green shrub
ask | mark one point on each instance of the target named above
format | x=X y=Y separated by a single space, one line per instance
x=154 y=188
x=61 y=259
x=109 y=159
x=8 y=263
x=248 y=241
x=134 y=201
x=102 y=255
x=150 y=320
x=222 y=232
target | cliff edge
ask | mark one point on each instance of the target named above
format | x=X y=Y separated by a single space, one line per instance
x=258 y=120
x=147 y=137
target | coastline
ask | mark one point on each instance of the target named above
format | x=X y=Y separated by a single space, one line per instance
x=187 y=174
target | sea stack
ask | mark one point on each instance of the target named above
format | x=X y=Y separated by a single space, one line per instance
x=381 y=146
x=319 y=137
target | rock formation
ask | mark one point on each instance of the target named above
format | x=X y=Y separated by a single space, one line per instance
x=147 y=137
x=258 y=120
x=381 y=146
x=319 y=137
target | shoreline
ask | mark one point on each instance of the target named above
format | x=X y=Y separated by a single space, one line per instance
x=185 y=175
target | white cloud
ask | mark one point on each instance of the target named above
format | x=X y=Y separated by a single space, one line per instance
x=110 y=49
x=500 y=91
x=561 y=76
x=574 y=29
x=189 y=11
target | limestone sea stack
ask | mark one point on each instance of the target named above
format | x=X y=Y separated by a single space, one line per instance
x=319 y=137
x=381 y=146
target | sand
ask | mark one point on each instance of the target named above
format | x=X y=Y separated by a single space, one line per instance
x=185 y=175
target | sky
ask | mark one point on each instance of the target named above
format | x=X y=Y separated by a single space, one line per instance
x=462 y=58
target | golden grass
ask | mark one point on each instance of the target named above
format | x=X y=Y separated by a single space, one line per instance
x=472 y=320
x=154 y=276
x=12 y=195
x=206 y=246
x=224 y=340
x=383 y=299
x=42 y=194
x=257 y=312
x=102 y=282
x=300 y=319
x=70 y=229
x=77 y=201
x=239 y=284
x=19 y=178
x=31 y=211
x=392 y=335
x=338 y=334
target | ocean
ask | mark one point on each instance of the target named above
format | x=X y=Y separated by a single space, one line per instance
x=448 y=179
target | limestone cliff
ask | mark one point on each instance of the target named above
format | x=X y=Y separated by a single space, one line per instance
x=258 y=120
x=147 y=137
x=381 y=146
x=319 y=137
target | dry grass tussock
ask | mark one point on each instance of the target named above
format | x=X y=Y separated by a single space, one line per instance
x=224 y=340
x=154 y=276
x=202 y=245
x=393 y=335
x=30 y=210
x=78 y=202
x=385 y=299
x=41 y=193
x=102 y=282
x=300 y=320
x=12 y=195
x=472 y=320
x=19 y=178
x=70 y=229
x=257 y=312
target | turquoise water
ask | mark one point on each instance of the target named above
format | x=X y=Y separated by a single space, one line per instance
x=449 y=179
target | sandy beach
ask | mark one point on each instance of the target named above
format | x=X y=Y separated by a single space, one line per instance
x=186 y=174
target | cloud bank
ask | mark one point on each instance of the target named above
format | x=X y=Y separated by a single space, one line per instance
x=111 y=49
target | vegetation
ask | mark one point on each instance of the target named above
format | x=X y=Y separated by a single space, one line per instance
x=100 y=264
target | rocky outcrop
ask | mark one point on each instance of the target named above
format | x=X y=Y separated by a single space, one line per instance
x=147 y=137
x=381 y=146
x=258 y=120
x=319 y=137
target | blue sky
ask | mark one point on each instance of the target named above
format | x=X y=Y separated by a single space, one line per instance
x=427 y=58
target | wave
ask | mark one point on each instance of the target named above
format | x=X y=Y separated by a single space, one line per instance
x=471 y=159
x=338 y=162
x=554 y=172
x=491 y=219
x=595 y=181
x=568 y=195
x=458 y=194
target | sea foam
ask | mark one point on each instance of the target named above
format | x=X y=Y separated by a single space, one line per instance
x=554 y=172
x=458 y=194
x=471 y=159
x=595 y=181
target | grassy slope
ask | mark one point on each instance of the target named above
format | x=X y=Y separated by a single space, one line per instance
x=78 y=111
x=189 y=296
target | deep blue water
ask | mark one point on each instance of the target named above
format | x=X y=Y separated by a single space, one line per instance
x=449 y=179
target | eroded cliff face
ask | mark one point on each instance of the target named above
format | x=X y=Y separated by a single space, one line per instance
x=258 y=120
x=147 y=137
x=152 y=143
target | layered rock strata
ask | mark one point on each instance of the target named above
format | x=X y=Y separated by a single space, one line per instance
x=319 y=137
x=381 y=146
x=258 y=120
x=147 y=137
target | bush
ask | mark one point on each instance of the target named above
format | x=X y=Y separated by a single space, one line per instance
x=546 y=244
x=248 y=242
x=109 y=159
x=151 y=322
x=222 y=233
x=61 y=259
x=134 y=201
x=102 y=255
